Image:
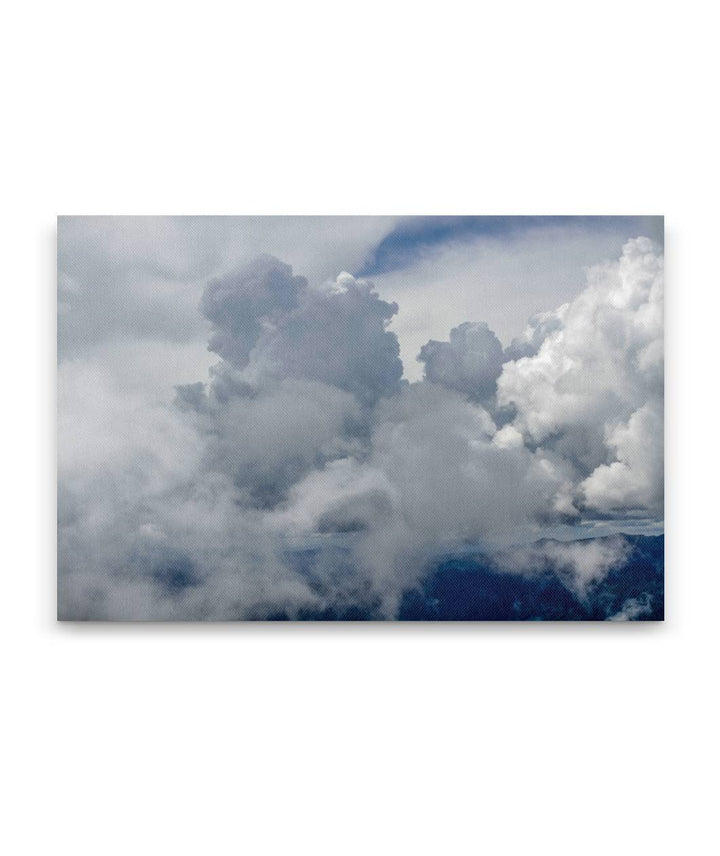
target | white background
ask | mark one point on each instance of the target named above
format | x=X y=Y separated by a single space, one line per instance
x=359 y=739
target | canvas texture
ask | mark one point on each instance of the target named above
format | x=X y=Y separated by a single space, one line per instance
x=360 y=418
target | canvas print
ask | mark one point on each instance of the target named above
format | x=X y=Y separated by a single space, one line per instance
x=379 y=418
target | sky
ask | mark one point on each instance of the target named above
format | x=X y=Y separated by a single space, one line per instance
x=374 y=391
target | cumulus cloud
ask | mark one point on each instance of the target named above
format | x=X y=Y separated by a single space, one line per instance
x=500 y=275
x=337 y=336
x=634 y=480
x=265 y=438
x=538 y=329
x=303 y=474
x=593 y=392
x=240 y=305
x=134 y=278
x=269 y=321
x=433 y=477
x=470 y=362
x=172 y=510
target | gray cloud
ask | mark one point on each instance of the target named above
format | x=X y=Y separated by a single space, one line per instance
x=268 y=437
x=538 y=329
x=470 y=362
x=238 y=305
x=300 y=368
x=132 y=278
x=338 y=336
x=269 y=321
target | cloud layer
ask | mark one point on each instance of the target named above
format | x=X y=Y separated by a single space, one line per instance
x=303 y=474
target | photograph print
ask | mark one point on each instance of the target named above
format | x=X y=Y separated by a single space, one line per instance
x=351 y=418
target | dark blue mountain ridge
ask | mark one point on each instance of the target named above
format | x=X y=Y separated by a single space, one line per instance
x=476 y=587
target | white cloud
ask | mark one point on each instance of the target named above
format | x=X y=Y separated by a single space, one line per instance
x=633 y=608
x=593 y=391
x=502 y=281
x=634 y=480
x=579 y=564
